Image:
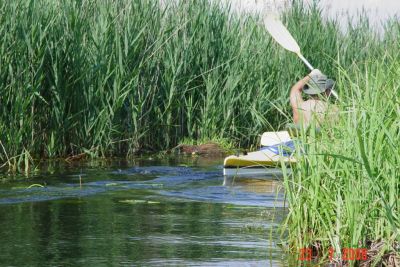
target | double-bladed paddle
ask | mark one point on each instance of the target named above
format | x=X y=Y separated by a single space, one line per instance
x=281 y=35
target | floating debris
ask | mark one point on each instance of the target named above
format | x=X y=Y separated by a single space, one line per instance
x=137 y=201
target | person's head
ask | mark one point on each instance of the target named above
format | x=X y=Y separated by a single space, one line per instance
x=318 y=85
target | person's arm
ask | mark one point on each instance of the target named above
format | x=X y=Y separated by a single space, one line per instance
x=295 y=97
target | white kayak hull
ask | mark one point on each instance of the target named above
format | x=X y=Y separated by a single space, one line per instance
x=254 y=172
x=267 y=161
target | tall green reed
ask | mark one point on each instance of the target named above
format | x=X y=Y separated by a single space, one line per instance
x=116 y=78
x=344 y=192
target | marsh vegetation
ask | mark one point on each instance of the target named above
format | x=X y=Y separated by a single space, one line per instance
x=112 y=78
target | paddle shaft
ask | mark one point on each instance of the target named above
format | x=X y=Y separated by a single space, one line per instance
x=282 y=36
x=305 y=61
x=333 y=92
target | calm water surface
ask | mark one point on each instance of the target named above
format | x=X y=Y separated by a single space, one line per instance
x=143 y=213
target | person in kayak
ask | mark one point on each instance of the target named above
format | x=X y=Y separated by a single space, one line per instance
x=317 y=108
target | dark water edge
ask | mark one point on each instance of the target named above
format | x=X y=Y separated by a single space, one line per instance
x=168 y=212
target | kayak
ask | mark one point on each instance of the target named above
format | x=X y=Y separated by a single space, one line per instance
x=276 y=149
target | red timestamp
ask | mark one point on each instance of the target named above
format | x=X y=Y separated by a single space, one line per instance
x=347 y=254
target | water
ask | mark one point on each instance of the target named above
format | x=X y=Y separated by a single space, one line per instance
x=144 y=213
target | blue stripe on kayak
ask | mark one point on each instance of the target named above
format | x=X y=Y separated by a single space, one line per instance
x=285 y=149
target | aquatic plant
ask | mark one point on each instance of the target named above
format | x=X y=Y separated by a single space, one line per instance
x=110 y=78
x=344 y=192
x=105 y=78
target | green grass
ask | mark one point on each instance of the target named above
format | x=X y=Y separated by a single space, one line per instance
x=344 y=193
x=115 y=79
x=119 y=77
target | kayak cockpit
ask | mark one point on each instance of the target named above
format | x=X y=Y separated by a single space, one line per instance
x=277 y=148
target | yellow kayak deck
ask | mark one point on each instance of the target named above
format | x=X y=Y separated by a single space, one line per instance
x=270 y=157
x=263 y=158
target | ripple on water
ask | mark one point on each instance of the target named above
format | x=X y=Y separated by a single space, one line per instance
x=180 y=183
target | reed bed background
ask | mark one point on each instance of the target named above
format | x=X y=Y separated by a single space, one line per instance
x=115 y=78
x=118 y=77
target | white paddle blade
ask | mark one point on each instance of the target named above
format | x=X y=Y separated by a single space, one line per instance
x=281 y=34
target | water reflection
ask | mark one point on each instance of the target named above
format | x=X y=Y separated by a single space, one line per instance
x=149 y=214
x=265 y=185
